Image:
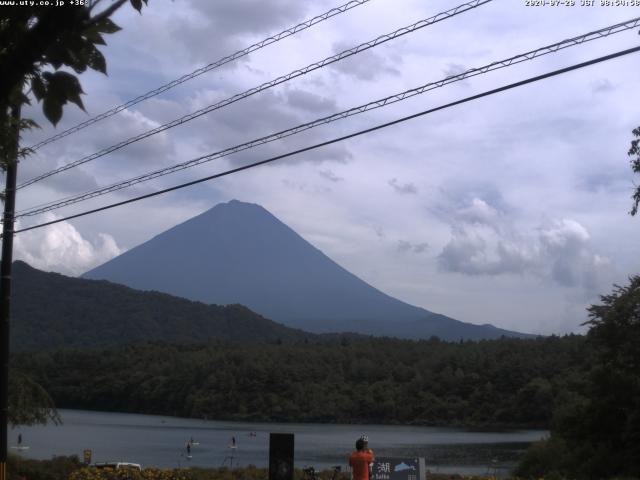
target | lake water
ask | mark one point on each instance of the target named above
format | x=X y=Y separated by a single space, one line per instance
x=161 y=441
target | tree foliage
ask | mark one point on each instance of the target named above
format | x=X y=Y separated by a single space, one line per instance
x=29 y=403
x=597 y=434
x=49 y=310
x=508 y=382
x=38 y=46
x=634 y=151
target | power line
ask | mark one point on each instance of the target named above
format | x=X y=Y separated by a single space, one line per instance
x=49 y=206
x=223 y=61
x=285 y=78
x=345 y=137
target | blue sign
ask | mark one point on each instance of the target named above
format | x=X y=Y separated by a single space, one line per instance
x=396 y=468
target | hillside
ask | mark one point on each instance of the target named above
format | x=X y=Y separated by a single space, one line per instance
x=240 y=253
x=50 y=310
x=508 y=382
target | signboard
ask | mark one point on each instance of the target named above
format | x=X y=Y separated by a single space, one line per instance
x=87 y=456
x=281 y=456
x=396 y=468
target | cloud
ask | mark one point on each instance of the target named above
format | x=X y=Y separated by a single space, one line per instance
x=602 y=85
x=74 y=180
x=367 y=65
x=407 y=188
x=454 y=69
x=479 y=250
x=569 y=258
x=310 y=102
x=484 y=243
x=242 y=17
x=302 y=186
x=234 y=25
x=329 y=175
x=260 y=115
x=479 y=212
x=61 y=248
x=405 y=247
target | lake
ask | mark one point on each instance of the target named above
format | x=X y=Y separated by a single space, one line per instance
x=161 y=441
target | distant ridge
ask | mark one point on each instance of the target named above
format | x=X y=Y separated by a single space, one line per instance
x=51 y=311
x=239 y=253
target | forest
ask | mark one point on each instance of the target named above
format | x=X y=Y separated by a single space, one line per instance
x=506 y=382
x=584 y=389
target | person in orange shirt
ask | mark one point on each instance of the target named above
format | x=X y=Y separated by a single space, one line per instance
x=360 y=459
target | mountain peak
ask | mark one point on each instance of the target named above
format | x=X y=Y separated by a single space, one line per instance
x=238 y=252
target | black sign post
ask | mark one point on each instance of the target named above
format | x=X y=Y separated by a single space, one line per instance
x=281 y=456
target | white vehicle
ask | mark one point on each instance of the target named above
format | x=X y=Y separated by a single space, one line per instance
x=119 y=466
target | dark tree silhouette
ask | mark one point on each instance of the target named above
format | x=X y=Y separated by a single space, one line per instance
x=635 y=166
x=36 y=42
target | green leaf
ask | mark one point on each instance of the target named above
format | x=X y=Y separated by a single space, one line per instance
x=69 y=87
x=56 y=55
x=28 y=124
x=97 y=62
x=63 y=87
x=78 y=59
x=52 y=108
x=65 y=82
x=107 y=26
x=93 y=36
x=37 y=85
x=137 y=4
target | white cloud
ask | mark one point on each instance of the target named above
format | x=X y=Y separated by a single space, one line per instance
x=570 y=259
x=61 y=248
x=482 y=243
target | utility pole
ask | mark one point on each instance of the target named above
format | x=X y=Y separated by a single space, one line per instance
x=5 y=284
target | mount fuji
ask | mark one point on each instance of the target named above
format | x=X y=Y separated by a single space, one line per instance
x=239 y=253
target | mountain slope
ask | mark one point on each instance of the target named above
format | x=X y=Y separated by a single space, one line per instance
x=239 y=253
x=50 y=310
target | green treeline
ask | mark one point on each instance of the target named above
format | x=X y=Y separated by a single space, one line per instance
x=506 y=382
x=49 y=309
x=596 y=434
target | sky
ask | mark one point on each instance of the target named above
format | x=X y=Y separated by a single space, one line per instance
x=510 y=210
